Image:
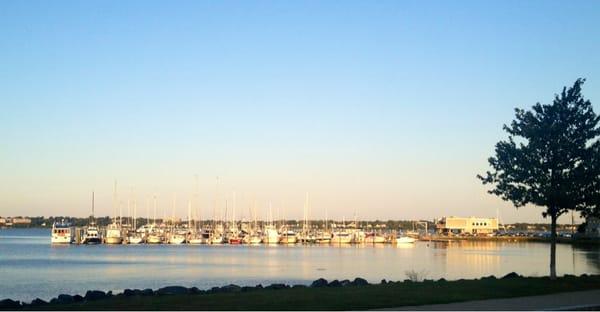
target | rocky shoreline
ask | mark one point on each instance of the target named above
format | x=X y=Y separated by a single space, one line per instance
x=95 y=297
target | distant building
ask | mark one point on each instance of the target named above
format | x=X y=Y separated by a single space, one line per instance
x=2 y=221
x=22 y=221
x=470 y=225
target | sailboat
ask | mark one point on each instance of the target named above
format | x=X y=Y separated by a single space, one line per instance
x=177 y=236
x=113 y=230
x=92 y=233
x=134 y=237
x=271 y=236
x=154 y=234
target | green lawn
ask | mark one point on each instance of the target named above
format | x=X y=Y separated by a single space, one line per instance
x=344 y=298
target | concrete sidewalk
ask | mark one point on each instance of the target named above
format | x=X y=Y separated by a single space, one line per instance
x=558 y=301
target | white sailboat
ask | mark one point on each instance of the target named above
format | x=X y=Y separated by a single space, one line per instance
x=271 y=236
x=113 y=230
x=92 y=233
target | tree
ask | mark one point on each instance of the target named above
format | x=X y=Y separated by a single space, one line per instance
x=591 y=183
x=546 y=158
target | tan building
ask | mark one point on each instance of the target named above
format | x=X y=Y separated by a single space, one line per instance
x=2 y=221
x=21 y=221
x=470 y=225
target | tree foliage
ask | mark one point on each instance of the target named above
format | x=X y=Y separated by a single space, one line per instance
x=545 y=159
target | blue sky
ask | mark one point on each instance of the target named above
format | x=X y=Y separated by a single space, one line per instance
x=383 y=109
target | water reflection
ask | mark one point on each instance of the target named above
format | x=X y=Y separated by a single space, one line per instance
x=37 y=269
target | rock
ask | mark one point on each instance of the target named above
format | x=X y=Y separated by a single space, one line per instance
x=442 y=280
x=62 y=299
x=319 y=283
x=247 y=289
x=38 y=302
x=9 y=304
x=194 y=290
x=277 y=286
x=359 y=282
x=231 y=288
x=128 y=293
x=299 y=286
x=109 y=293
x=94 y=295
x=427 y=281
x=334 y=283
x=345 y=283
x=259 y=286
x=77 y=298
x=491 y=277
x=172 y=290
x=214 y=290
x=511 y=275
x=147 y=292
x=383 y=281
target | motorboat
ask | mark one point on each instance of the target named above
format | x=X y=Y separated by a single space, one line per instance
x=271 y=235
x=341 y=237
x=405 y=240
x=62 y=233
x=113 y=234
x=288 y=237
x=374 y=238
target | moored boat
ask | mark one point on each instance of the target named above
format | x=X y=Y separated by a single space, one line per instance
x=405 y=240
x=62 y=233
x=341 y=237
x=113 y=234
x=288 y=237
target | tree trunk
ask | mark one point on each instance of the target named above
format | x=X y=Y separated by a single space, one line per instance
x=553 y=247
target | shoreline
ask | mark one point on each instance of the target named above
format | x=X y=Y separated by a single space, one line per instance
x=320 y=295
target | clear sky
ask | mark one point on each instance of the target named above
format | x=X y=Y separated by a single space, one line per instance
x=383 y=109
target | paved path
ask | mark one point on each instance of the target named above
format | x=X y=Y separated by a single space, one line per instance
x=559 y=301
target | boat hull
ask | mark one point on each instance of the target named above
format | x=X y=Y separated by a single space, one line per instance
x=114 y=240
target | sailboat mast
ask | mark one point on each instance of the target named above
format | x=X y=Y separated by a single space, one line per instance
x=154 y=209
x=114 y=204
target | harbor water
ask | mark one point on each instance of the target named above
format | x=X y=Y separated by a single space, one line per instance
x=30 y=267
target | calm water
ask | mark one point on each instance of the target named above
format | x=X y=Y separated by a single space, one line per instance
x=30 y=267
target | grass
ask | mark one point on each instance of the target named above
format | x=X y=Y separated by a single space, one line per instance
x=344 y=298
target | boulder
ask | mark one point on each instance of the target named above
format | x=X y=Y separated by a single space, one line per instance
x=195 y=290
x=442 y=280
x=94 y=295
x=383 y=281
x=259 y=286
x=359 y=282
x=319 y=283
x=345 y=283
x=248 y=288
x=9 y=304
x=147 y=292
x=277 y=286
x=62 y=299
x=334 y=283
x=38 y=302
x=128 y=293
x=77 y=298
x=231 y=288
x=172 y=290
x=299 y=286
x=511 y=275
